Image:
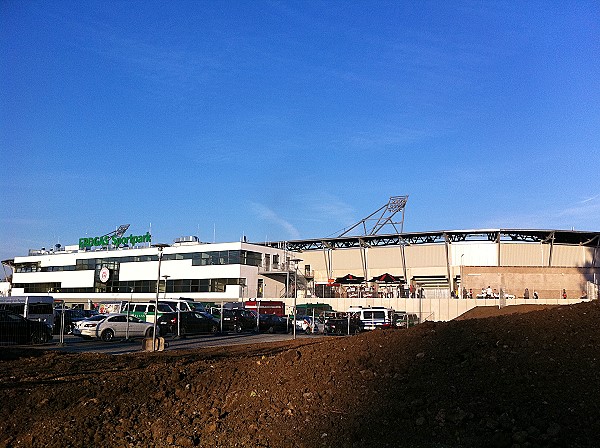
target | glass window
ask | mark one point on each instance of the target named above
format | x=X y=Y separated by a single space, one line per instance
x=18 y=308
x=234 y=257
x=40 y=308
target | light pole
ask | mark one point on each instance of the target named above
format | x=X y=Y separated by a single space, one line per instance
x=295 y=261
x=165 y=291
x=160 y=247
x=166 y=277
x=128 y=311
x=462 y=295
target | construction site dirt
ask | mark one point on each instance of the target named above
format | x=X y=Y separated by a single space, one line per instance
x=512 y=377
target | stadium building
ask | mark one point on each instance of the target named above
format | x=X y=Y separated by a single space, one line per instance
x=438 y=275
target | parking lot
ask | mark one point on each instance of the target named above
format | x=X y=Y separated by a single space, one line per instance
x=74 y=344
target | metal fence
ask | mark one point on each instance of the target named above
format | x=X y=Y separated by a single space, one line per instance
x=16 y=330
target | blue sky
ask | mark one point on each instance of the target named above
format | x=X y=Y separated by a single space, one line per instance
x=294 y=119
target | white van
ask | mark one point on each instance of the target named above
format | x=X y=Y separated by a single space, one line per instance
x=371 y=318
x=183 y=304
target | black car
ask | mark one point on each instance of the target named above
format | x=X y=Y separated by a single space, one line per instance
x=191 y=322
x=238 y=320
x=272 y=323
x=15 y=329
x=71 y=316
x=337 y=323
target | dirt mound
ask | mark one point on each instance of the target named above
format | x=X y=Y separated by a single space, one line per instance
x=491 y=311
x=519 y=380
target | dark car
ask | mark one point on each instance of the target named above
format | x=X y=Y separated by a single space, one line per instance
x=15 y=329
x=238 y=320
x=272 y=323
x=338 y=323
x=71 y=316
x=191 y=322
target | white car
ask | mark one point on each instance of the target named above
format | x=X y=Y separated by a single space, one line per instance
x=108 y=327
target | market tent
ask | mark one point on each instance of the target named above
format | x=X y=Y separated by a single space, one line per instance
x=349 y=279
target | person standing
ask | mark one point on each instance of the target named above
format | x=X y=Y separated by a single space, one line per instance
x=526 y=294
x=564 y=294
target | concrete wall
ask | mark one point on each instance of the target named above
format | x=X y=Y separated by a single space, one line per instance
x=548 y=282
x=429 y=309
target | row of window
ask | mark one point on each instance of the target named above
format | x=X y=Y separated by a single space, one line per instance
x=138 y=286
x=198 y=259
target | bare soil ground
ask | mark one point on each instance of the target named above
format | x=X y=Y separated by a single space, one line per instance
x=524 y=379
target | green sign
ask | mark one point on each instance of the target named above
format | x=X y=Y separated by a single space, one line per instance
x=114 y=240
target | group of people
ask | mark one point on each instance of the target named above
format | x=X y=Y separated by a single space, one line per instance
x=489 y=293
x=535 y=294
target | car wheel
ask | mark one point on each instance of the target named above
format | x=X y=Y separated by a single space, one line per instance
x=39 y=338
x=214 y=329
x=237 y=328
x=149 y=332
x=182 y=332
x=107 y=335
x=271 y=330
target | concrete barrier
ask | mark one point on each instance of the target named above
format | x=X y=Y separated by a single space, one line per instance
x=159 y=345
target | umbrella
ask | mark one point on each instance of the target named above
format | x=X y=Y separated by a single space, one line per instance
x=349 y=278
x=386 y=278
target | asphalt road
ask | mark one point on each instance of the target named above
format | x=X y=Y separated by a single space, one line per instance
x=75 y=344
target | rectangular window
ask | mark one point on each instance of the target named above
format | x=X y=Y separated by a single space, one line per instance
x=234 y=257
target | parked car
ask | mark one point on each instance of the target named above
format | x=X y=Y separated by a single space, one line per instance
x=191 y=322
x=272 y=323
x=72 y=315
x=15 y=329
x=109 y=327
x=337 y=323
x=86 y=328
x=305 y=324
x=238 y=320
x=402 y=319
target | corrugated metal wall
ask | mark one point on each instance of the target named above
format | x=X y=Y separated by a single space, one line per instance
x=426 y=255
x=430 y=259
x=524 y=254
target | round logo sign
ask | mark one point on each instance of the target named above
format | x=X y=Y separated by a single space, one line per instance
x=104 y=275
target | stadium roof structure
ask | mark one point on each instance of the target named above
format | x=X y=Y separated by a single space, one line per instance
x=567 y=237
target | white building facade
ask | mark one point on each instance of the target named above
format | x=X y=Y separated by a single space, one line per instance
x=206 y=272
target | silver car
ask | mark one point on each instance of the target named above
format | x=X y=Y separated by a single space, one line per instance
x=109 y=327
